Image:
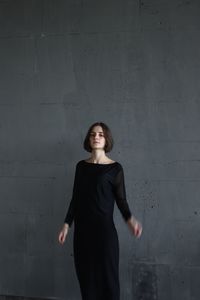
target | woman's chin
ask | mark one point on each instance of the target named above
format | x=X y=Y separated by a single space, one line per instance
x=96 y=147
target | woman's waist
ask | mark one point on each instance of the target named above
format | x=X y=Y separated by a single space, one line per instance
x=96 y=219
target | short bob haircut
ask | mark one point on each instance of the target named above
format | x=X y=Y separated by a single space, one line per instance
x=107 y=134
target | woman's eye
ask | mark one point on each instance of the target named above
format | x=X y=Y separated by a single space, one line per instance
x=93 y=134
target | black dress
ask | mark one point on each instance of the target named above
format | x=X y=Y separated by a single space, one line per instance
x=95 y=242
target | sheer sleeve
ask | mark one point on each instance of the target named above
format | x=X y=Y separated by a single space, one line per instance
x=120 y=195
x=72 y=206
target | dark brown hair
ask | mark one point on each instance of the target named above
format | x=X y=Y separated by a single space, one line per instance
x=107 y=134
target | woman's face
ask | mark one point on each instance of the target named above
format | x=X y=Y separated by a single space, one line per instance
x=97 y=139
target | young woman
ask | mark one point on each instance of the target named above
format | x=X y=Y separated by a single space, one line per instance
x=98 y=184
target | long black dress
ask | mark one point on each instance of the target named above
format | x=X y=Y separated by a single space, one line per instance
x=95 y=243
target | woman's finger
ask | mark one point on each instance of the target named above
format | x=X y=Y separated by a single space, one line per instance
x=139 y=230
x=61 y=237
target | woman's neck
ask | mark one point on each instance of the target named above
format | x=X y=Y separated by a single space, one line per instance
x=98 y=157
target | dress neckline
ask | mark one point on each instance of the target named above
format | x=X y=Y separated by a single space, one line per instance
x=89 y=163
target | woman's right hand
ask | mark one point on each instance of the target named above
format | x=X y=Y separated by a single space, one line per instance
x=63 y=233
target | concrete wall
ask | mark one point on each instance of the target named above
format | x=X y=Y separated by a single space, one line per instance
x=136 y=66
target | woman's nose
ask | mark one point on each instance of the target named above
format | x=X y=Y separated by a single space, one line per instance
x=96 y=136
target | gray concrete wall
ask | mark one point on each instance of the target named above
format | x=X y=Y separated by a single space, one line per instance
x=136 y=66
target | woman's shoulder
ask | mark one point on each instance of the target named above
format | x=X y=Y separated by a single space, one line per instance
x=111 y=162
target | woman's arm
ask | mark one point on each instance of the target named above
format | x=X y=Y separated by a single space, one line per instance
x=121 y=201
x=120 y=195
x=72 y=206
x=70 y=212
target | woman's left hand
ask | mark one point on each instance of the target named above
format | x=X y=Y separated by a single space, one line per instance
x=135 y=226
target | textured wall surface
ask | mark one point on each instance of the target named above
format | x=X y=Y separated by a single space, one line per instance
x=136 y=66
